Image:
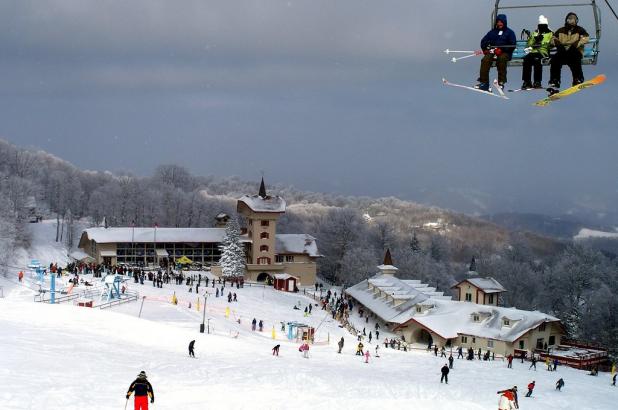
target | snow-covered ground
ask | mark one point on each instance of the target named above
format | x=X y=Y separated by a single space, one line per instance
x=586 y=233
x=66 y=357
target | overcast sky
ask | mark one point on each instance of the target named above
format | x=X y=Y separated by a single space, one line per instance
x=328 y=95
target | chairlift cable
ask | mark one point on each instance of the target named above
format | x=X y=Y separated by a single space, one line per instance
x=611 y=8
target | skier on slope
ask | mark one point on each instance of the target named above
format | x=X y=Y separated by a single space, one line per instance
x=444 y=372
x=537 y=49
x=530 y=388
x=340 y=344
x=143 y=389
x=507 y=400
x=191 y=346
x=559 y=384
x=569 y=42
x=497 y=45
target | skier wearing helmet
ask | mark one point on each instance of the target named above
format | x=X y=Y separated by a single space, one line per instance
x=569 y=42
x=143 y=389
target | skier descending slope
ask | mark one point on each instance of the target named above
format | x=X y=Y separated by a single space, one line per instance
x=497 y=45
x=142 y=388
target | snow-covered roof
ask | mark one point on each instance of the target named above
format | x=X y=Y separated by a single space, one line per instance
x=487 y=285
x=284 y=276
x=383 y=294
x=263 y=204
x=296 y=243
x=113 y=235
x=450 y=319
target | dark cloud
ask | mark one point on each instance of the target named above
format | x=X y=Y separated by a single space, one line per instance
x=327 y=95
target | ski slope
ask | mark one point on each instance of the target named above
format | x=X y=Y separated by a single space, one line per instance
x=67 y=357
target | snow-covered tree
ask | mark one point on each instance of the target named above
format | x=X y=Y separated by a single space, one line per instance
x=232 y=253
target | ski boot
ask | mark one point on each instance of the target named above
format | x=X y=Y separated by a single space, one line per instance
x=554 y=84
x=526 y=85
x=482 y=86
x=537 y=84
x=577 y=81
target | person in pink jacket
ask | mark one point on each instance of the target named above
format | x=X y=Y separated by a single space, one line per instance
x=367 y=354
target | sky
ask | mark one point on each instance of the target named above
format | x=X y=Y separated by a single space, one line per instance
x=337 y=96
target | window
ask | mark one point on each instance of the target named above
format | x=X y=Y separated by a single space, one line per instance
x=279 y=258
x=263 y=260
x=539 y=343
x=263 y=248
x=468 y=297
x=264 y=235
x=542 y=327
x=521 y=344
x=552 y=340
x=490 y=299
x=264 y=223
x=506 y=322
x=464 y=339
x=289 y=258
x=490 y=343
x=473 y=340
x=476 y=318
x=419 y=309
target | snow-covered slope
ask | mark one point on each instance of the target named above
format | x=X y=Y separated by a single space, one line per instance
x=66 y=357
x=586 y=233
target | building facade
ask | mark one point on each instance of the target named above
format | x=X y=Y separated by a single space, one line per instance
x=267 y=252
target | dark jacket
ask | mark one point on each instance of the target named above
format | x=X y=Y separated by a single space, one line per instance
x=495 y=39
x=444 y=369
x=142 y=387
x=191 y=344
x=571 y=36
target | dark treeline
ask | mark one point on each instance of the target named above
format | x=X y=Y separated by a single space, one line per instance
x=573 y=282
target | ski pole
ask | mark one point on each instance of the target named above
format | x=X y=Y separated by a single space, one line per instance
x=125 y=404
x=447 y=51
x=456 y=59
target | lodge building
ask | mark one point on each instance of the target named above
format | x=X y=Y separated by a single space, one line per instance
x=267 y=252
x=421 y=314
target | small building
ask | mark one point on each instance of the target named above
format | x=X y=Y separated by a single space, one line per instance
x=484 y=291
x=285 y=282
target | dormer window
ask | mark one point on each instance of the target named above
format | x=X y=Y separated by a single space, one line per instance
x=419 y=309
x=476 y=318
x=506 y=322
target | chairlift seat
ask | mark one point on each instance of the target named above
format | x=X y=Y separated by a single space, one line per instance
x=590 y=53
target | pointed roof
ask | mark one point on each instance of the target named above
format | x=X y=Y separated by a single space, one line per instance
x=262 y=192
x=387 y=258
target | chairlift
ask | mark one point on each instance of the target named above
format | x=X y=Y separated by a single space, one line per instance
x=591 y=49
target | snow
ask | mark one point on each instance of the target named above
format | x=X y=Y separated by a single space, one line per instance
x=63 y=357
x=111 y=235
x=296 y=243
x=268 y=204
x=586 y=233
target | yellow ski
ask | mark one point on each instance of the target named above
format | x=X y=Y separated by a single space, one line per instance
x=572 y=90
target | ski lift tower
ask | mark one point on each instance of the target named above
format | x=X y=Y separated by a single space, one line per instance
x=111 y=290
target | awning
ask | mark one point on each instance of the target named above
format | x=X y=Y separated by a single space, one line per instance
x=108 y=253
x=162 y=253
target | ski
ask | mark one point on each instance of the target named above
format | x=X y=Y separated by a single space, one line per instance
x=517 y=90
x=500 y=90
x=599 y=79
x=446 y=82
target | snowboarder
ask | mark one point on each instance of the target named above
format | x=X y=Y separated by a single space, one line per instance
x=444 y=372
x=191 y=346
x=497 y=45
x=340 y=344
x=276 y=350
x=367 y=354
x=509 y=359
x=537 y=49
x=559 y=384
x=507 y=400
x=530 y=388
x=450 y=361
x=143 y=389
x=569 y=42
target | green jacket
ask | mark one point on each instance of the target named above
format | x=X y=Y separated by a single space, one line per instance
x=540 y=43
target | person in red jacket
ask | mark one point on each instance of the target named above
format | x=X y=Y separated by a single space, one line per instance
x=20 y=275
x=530 y=388
x=143 y=389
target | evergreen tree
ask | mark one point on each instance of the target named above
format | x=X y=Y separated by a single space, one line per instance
x=415 y=245
x=232 y=253
x=472 y=265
